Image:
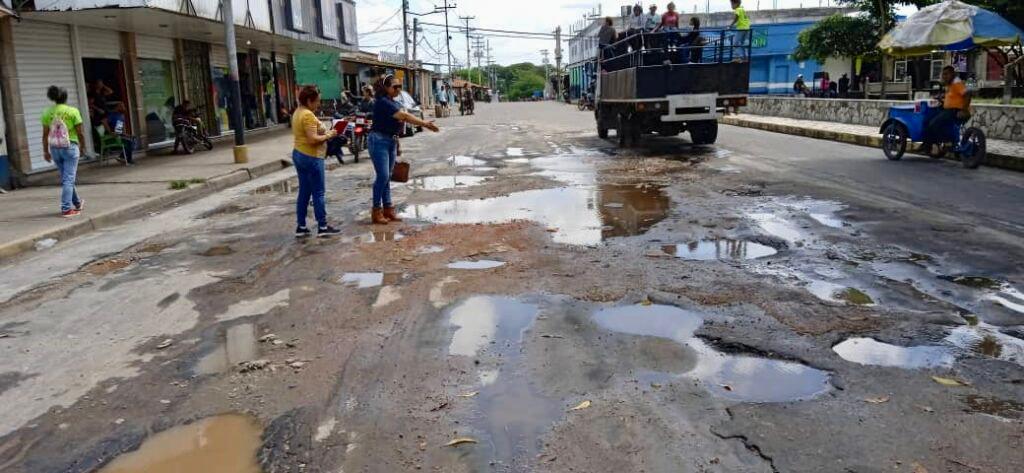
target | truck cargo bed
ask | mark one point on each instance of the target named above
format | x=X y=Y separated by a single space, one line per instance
x=651 y=82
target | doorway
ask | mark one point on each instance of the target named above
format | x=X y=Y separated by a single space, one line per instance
x=107 y=93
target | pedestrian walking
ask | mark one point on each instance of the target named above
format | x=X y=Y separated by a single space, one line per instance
x=741 y=22
x=308 y=158
x=62 y=132
x=388 y=118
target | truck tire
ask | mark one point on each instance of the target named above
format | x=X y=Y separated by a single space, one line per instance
x=623 y=131
x=602 y=125
x=703 y=132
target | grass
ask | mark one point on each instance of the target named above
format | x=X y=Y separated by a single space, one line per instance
x=179 y=184
x=1017 y=101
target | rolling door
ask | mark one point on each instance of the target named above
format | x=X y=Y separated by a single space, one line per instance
x=218 y=56
x=43 y=56
x=154 y=47
x=99 y=44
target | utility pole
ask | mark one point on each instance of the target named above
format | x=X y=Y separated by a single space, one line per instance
x=558 y=62
x=405 y=29
x=447 y=37
x=547 y=69
x=469 y=61
x=415 y=42
x=241 y=152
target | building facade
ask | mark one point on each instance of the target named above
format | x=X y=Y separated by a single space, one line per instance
x=151 y=55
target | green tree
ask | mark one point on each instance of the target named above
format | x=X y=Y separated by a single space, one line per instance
x=838 y=36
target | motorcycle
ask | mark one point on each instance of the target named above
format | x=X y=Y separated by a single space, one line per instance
x=357 y=132
x=906 y=124
x=466 y=107
x=336 y=146
x=191 y=135
x=586 y=102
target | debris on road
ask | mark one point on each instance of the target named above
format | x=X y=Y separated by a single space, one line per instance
x=877 y=400
x=469 y=394
x=949 y=381
x=581 y=406
x=254 y=365
x=460 y=441
x=165 y=344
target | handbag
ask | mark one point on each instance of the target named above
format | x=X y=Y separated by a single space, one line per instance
x=401 y=172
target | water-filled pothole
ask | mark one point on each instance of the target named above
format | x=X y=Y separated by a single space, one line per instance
x=465 y=161
x=367 y=280
x=437 y=183
x=476 y=264
x=576 y=215
x=735 y=377
x=225 y=444
x=289 y=186
x=832 y=292
x=719 y=249
x=239 y=346
x=987 y=340
x=868 y=351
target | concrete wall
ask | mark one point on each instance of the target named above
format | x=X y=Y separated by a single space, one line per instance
x=1002 y=122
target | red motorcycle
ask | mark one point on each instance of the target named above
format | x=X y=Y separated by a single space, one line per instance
x=357 y=132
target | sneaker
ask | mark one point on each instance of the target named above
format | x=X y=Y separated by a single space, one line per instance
x=81 y=205
x=302 y=232
x=71 y=213
x=327 y=231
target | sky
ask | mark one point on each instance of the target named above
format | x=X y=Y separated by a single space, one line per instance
x=380 y=27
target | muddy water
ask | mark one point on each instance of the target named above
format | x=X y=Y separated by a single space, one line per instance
x=436 y=183
x=868 y=351
x=575 y=215
x=222 y=444
x=239 y=346
x=719 y=249
x=734 y=377
x=509 y=409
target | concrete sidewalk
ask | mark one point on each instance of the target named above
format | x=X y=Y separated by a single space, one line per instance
x=1001 y=153
x=114 y=193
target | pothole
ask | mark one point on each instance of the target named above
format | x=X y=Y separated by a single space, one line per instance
x=368 y=280
x=868 y=351
x=719 y=249
x=1006 y=409
x=986 y=340
x=476 y=264
x=225 y=443
x=832 y=292
x=219 y=250
x=734 y=377
x=239 y=346
x=289 y=186
x=465 y=161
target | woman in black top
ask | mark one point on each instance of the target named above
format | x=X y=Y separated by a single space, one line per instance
x=388 y=117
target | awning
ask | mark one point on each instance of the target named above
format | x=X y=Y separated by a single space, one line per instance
x=950 y=26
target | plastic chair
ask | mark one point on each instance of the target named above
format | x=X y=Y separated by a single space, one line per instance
x=110 y=143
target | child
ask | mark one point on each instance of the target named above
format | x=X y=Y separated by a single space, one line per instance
x=741 y=22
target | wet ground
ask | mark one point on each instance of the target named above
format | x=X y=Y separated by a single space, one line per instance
x=550 y=303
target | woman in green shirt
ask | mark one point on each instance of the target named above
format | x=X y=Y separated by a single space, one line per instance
x=62 y=132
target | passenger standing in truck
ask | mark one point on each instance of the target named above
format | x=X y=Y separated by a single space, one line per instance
x=741 y=22
x=605 y=37
x=635 y=26
x=670 y=25
x=651 y=21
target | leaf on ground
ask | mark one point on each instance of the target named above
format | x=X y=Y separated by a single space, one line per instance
x=877 y=400
x=726 y=387
x=459 y=441
x=948 y=381
x=581 y=406
x=646 y=302
x=469 y=394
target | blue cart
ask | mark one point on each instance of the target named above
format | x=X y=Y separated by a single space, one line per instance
x=907 y=123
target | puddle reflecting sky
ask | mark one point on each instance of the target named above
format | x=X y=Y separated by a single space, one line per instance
x=480 y=320
x=719 y=249
x=779 y=227
x=868 y=351
x=986 y=340
x=367 y=280
x=225 y=444
x=476 y=264
x=465 y=161
x=734 y=377
x=239 y=346
x=436 y=183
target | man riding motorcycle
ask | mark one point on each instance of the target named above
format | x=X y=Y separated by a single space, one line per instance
x=183 y=114
x=956 y=106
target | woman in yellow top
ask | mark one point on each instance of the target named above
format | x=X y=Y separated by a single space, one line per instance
x=308 y=157
x=741 y=22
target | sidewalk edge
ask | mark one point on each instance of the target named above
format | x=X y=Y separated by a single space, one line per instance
x=1002 y=161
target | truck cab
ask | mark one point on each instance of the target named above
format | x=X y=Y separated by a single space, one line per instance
x=664 y=83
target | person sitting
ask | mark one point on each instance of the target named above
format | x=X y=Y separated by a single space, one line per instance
x=799 y=86
x=635 y=26
x=116 y=122
x=956 y=107
x=605 y=37
x=184 y=113
x=366 y=102
x=693 y=41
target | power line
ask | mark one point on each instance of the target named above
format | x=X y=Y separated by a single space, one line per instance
x=381 y=25
x=531 y=33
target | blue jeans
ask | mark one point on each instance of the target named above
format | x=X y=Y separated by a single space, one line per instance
x=383 y=153
x=66 y=160
x=311 y=186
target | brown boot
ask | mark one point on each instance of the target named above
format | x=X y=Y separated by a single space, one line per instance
x=377 y=217
x=389 y=213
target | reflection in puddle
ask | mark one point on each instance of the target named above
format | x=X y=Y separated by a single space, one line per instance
x=779 y=227
x=436 y=183
x=832 y=292
x=986 y=340
x=719 y=249
x=225 y=444
x=289 y=186
x=868 y=351
x=477 y=264
x=995 y=407
x=576 y=214
x=1008 y=297
x=366 y=280
x=465 y=161
x=485 y=319
x=734 y=377
x=239 y=346
x=429 y=249
x=518 y=160
x=514 y=152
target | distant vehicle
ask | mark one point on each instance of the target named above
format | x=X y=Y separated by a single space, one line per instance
x=671 y=87
x=410 y=105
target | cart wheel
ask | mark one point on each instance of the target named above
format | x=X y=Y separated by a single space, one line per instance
x=894 y=141
x=972 y=148
x=188 y=142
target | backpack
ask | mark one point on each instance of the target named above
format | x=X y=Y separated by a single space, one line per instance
x=59 y=136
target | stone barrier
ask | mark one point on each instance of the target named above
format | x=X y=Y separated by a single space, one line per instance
x=1001 y=122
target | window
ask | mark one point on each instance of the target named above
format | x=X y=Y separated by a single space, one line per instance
x=326 y=26
x=294 y=15
x=342 y=31
x=900 y=72
x=158 y=99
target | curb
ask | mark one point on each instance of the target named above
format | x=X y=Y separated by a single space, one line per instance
x=1002 y=161
x=123 y=214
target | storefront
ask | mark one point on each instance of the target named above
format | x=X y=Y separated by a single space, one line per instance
x=159 y=88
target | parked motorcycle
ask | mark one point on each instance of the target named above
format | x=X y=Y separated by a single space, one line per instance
x=336 y=146
x=357 y=132
x=190 y=134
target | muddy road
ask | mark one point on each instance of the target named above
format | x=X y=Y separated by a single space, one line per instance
x=549 y=303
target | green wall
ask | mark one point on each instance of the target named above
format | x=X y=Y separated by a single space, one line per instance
x=320 y=69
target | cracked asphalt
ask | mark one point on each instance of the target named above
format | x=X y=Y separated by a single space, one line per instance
x=549 y=303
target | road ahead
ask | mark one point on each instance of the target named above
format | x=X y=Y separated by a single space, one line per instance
x=550 y=303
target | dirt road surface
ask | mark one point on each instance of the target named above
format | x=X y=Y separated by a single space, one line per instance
x=550 y=303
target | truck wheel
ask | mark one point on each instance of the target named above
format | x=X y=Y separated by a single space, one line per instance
x=704 y=132
x=634 y=136
x=622 y=131
x=602 y=125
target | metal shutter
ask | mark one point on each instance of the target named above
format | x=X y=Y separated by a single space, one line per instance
x=42 y=53
x=218 y=55
x=97 y=43
x=154 y=47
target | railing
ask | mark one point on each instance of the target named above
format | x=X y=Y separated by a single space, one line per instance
x=677 y=47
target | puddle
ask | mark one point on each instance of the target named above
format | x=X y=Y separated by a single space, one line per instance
x=225 y=444
x=476 y=264
x=465 y=161
x=986 y=340
x=220 y=250
x=508 y=408
x=868 y=351
x=367 y=280
x=289 y=186
x=378 y=236
x=735 y=377
x=719 y=249
x=577 y=215
x=430 y=249
x=239 y=346
x=976 y=282
x=1008 y=297
x=436 y=183
x=832 y=292
x=518 y=160
x=779 y=227
x=514 y=152
x=993 y=406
